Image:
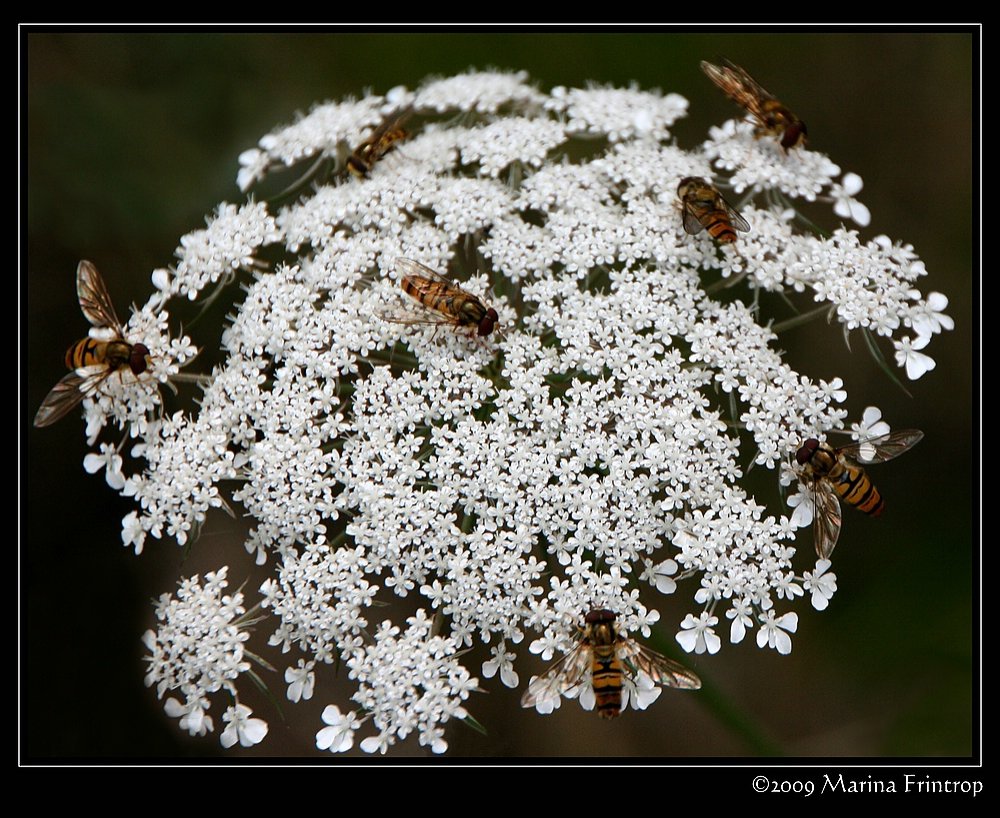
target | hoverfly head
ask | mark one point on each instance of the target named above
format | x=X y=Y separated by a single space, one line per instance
x=684 y=183
x=806 y=451
x=794 y=134
x=138 y=360
x=488 y=322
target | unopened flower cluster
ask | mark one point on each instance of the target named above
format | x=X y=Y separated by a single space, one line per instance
x=586 y=455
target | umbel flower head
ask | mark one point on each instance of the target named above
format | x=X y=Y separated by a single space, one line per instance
x=587 y=454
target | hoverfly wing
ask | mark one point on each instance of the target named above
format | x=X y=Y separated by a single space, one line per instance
x=60 y=401
x=564 y=675
x=95 y=302
x=410 y=317
x=735 y=219
x=692 y=224
x=881 y=449
x=658 y=667
x=72 y=389
x=409 y=267
x=738 y=85
x=827 y=518
x=750 y=85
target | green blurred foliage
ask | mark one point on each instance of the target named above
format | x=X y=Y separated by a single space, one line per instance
x=130 y=138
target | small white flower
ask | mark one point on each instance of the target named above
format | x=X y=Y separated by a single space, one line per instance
x=742 y=615
x=821 y=584
x=242 y=728
x=110 y=460
x=697 y=635
x=774 y=631
x=846 y=206
x=300 y=680
x=338 y=735
x=663 y=573
x=930 y=318
x=502 y=661
x=802 y=502
x=132 y=532
x=192 y=715
x=917 y=364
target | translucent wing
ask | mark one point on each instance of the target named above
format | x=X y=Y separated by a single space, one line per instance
x=68 y=393
x=737 y=221
x=749 y=84
x=424 y=316
x=658 y=667
x=692 y=224
x=826 y=518
x=409 y=267
x=564 y=675
x=94 y=299
x=881 y=449
x=61 y=399
x=739 y=86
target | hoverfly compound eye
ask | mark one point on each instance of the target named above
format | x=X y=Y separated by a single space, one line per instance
x=599 y=615
x=489 y=321
x=793 y=134
x=806 y=451
x=137 y=359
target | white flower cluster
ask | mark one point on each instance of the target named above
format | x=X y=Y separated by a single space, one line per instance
x=198 y=649
x=586 y=455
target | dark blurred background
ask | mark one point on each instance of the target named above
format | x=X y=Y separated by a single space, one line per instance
x=129 y=139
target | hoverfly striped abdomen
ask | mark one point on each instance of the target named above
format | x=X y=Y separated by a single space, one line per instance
x=606 y=672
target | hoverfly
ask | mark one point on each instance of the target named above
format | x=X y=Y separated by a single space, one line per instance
x=705 y=209
x=97 y=359
x=609 y=656
x=444 y=301
x=772 y=117
x=382 y=140
x=836 y=473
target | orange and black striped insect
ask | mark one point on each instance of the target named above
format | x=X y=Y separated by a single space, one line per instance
x=834 y=474
x=705 y=209
x=605 y=657
x=382 y=140
x=443 y=301
x=95 y=358
x=773 y=118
